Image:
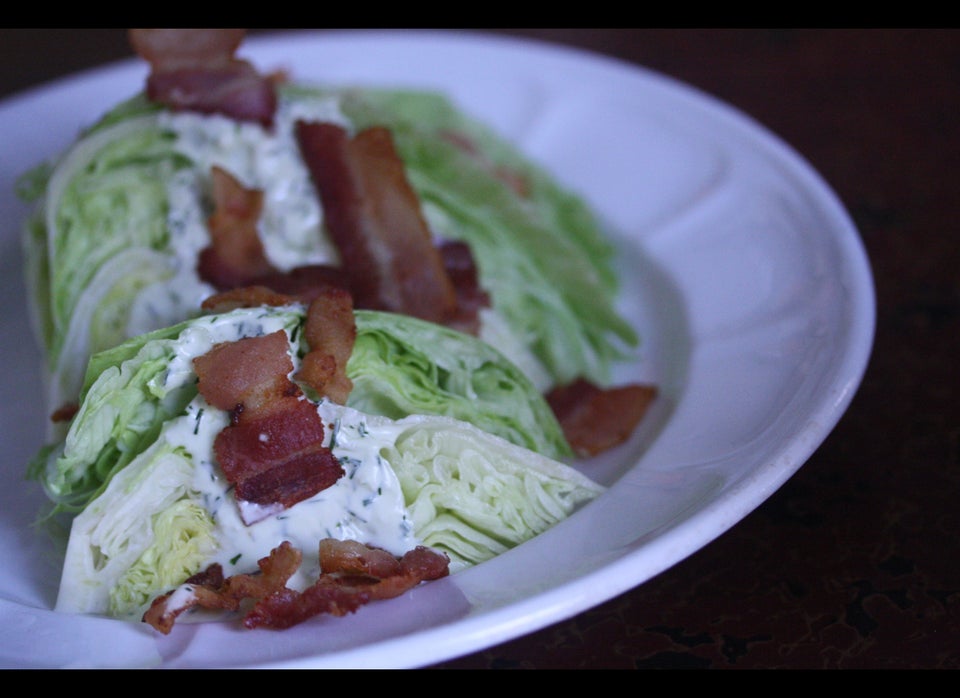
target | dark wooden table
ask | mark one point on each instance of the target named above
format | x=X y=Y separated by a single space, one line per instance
x=853 y=563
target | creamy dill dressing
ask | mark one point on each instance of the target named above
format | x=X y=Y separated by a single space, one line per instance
x=290 y=226
x=366 y=504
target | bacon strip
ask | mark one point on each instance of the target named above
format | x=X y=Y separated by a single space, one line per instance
x=236 y=253
x=471 y=297
x=248 y=375
x=352 y=574
x=276 y=460
x=245 y=297
x=595 y=419
x=196 y=70
x=208 y=589
x=236 y=259
x=273 y=451
x=330 y=331
x=373 y=216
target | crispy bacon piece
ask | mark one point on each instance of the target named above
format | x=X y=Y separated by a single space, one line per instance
x=306 y=282
x=245 y=297
x=352 y=574
x=249 y=375
x=276 y=460
x=196 y=70
x=596 y=419
x=208 y=589
x=235 y=254
x=373 y=216
x=471 y=297
x=273 y=451
x=330 y=331
x=65 y=412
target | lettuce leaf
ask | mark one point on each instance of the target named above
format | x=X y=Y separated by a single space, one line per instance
x=95 y=242
x=543 y=256
x=400 y=366
x=458 y=489
x=438 y=444
x=474 y=495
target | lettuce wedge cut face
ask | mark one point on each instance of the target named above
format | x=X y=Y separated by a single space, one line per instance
x=121 y=219
x=452 y=448
x=96 y=241
x=400 y=366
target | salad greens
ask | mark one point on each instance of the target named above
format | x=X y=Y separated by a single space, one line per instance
x=400 y=366
x=542 y=254
x=432 y=452
x=98 y=242
x=446 y=439
x=112 y=246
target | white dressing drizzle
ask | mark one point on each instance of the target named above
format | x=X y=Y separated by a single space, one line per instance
x=269 y=160
x=366 y=504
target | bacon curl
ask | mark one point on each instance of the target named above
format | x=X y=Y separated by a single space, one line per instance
x=235 y=254
x=352 y=575
x=596 y=419
x=273 y=450
x=373 y=216
x=330 y=331
x=196 y=70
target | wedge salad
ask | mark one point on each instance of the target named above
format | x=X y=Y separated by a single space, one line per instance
x=432 y=454
x=308 y=346
x=121 y=219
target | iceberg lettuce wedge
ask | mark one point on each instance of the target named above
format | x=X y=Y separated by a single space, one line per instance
x=95 y=242
x=476 y=496
x=441 y=453
x=421 y=480
x=112 y=247
x=400 y=366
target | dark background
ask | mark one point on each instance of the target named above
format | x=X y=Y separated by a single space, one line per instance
x=853 y=563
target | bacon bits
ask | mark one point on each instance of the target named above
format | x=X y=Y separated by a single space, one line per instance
x=330 y=331
x=373 y=217
x=596 y=419
x=273 y=451
x=196 y=70
x=208 y=589
x=352 y=574
x=235 y=254
x=390 y=260
x=245 y=297
x=471 y=297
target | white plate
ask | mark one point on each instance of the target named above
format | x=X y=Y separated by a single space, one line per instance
x=742 y=272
